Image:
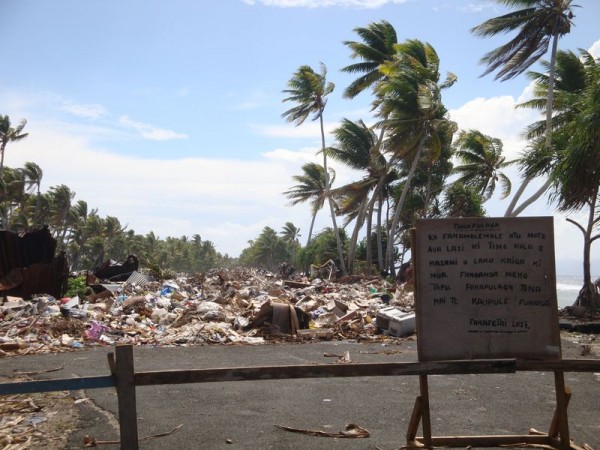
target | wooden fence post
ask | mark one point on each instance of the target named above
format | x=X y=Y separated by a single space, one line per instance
x=126 y=396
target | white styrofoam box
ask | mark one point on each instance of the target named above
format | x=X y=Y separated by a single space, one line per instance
x=384 y=315
x=402 y=326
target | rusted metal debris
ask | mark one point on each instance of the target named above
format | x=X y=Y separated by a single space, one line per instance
x=116 y=271
x=28 y=265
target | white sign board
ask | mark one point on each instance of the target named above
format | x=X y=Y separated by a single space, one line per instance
x=486 y=288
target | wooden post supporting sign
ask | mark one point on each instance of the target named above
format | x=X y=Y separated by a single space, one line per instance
x=486 y=288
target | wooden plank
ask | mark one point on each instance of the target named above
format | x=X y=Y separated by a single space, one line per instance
x=425 y=411
x=564 y=365
x=487 y=441
x=69 y=384
x=126 y=397
x=554 y=431
x=112 y=365
x=415 y=420
x=322 y=371
x=561 y=410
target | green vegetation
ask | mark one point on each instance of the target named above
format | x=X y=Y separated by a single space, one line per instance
x=77 y=286
x=414 y=162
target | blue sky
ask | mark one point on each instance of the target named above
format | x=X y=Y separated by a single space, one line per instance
x=168 y=114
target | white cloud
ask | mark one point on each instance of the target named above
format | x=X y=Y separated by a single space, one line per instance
x=497 y=117
x=18 y=101
x=182 y=92
x=86 y=111
x=150 y=132
x=476 y=7
x=595 y=49
x=307 y=130
x=297 y=157
x=360 y=4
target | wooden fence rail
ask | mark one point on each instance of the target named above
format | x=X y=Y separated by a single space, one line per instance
x=125 y=379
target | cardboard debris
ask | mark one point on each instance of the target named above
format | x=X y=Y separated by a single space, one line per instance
x=226 y=306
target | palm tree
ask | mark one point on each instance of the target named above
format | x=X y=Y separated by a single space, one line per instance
x=482 y=163
x=12 y=196
x=410 y=104
x=60 y=198
x=83 y=228
x=540 y=22
x=270 y=249
x=310 y=187
x=462 y=201
x=377 y=47
x=570 y=81
x=112 y=238
x=9 y=134
x=33 y=177
x=309 y=90
x=573 y=172
x=210 y=254
x=576 y=173
x=357 y=147
x=290 y=233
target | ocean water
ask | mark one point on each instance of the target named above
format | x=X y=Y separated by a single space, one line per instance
x=567 y=288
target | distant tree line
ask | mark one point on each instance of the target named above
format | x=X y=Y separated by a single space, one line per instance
x=86 y=238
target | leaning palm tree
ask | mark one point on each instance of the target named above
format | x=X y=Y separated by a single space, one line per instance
x=411 y=105
x=12 y=196
x=59 y=198
x=9 y=134
x=540 y=23
x=309 y=90
x=311 y=187
x=357 y=147
x=290 y=233
x=576 y=174
x=376 y=47
x=570 y=81
x=481 y=163
x=33 y=176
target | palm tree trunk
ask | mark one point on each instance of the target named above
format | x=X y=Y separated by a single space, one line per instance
x=312 y=224
x=396 y=219
x=537 y=194
x=511 y=211
x=378 y=197
x=369 y=236
x=517 y=196
x=551 y=76
x=588 y=296
x=380 y=259
x=330 y=200
x=36 y=216
x=360 y=218
x=587 y=246
x=427 y=193
x=2 y=148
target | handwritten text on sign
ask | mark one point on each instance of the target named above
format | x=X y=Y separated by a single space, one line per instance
x=486 y=288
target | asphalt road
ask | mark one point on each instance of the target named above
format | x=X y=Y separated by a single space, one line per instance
x=243 y=415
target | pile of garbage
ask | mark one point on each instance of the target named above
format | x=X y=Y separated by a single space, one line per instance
x=225 y=306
